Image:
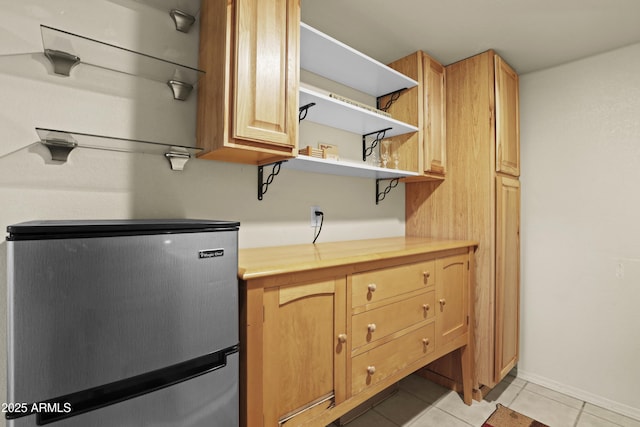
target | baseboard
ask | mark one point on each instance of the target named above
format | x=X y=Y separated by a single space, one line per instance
x=580 y=394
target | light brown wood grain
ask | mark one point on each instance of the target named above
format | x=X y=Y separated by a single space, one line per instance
x=463 y=206
x=423 y=106
x=385 y=360
x=407 y=109
x=310 y=336
x=373 y=286
x=507 y=119
x=391 y=318
x=257 y=263
x=247 y=99
x=507 y=275
x=434 y=123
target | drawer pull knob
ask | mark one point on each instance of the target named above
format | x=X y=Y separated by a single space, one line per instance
x=371 y=327
x=443 y=302
x=372 y=287
x=426 y=307
x=425 y=341
x=342 y=338
x=426 y=275
x=371 y=370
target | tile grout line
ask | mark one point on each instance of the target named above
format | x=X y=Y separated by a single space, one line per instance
x=518 y=393
x=555 y=400
x=575 y=424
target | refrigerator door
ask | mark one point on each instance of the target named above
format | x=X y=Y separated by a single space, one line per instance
x=84 y=312
x=209 y=400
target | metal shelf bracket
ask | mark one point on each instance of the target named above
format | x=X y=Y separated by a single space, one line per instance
x=302 y=111
x=181 y=90
x=178 y=157
x=394 y=97
x=380 y=195
x=62 y=62
x=182 y=20
x=379 y=136
x=59 y=148
x=263 y=184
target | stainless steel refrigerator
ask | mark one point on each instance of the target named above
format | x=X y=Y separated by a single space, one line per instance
x=123 y=323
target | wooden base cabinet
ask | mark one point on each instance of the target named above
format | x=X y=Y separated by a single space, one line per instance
x=479 y=200
x=248 y=97
x=301 y=329
x=323 y=335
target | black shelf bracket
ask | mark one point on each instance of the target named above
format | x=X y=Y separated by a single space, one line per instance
x=302 y=111
x=380 y=195
x=379 y=136
x=394 y=97
x=263 y=184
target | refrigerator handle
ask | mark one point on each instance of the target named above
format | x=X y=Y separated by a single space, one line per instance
x=70 y=405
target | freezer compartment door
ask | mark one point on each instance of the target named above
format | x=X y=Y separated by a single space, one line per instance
x=207 y=400
x=91 y=311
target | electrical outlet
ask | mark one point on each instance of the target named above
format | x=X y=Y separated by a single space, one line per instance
x=315 y=219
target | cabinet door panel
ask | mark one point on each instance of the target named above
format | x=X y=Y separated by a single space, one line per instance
x=452 y=297
x=300 y=346
x=435 y=129
x=507 y=119
x=507 y=275
x=267 y=71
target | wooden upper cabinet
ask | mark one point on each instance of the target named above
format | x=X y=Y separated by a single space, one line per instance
x=422 y=106
x=507 y=275
x=248 y=98
x=507 y=119
x=435 y=144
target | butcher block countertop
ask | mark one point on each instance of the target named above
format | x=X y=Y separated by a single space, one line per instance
x=257 y=263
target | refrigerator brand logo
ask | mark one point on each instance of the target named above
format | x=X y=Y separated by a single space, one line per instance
x=210 y=253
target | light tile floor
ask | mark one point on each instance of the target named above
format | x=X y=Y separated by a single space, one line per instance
x=421 y=403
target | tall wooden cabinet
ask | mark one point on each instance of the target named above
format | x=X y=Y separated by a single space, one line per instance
x=479 y=199
x=248 y=98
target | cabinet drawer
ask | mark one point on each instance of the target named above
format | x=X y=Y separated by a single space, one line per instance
x=377 y=285
x=378 y=323
x=385 y=360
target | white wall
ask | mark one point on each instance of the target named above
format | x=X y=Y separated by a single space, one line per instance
x=580 y=138
x=105 y=184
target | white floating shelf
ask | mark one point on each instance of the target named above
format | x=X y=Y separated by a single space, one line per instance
x=344 y=168
x=336 y=61
x=341 y=115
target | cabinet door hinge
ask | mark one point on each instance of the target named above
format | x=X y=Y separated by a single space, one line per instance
x=467 y=320
x=468 y=265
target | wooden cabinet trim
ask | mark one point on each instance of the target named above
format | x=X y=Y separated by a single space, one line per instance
x=288 y=294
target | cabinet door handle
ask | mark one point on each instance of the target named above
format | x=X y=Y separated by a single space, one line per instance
x=342 y=338
x=371 y=327
x=426 y=276
x=443 y=302
x=371 y=370
x=372 y=287
x=426 y=307
x=425 y=341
